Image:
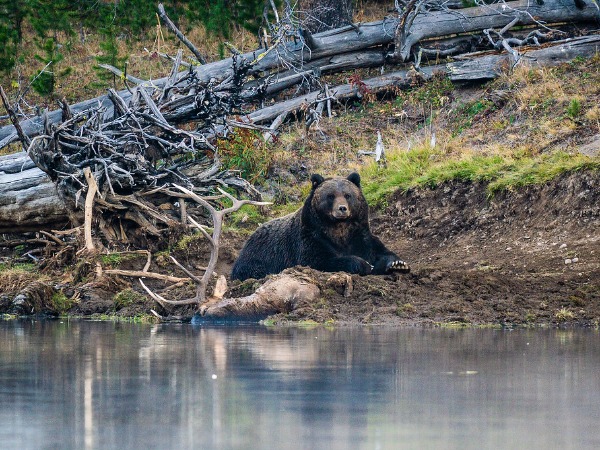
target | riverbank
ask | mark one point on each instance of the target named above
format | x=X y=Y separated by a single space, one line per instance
x=528 y=257
x=491 y=193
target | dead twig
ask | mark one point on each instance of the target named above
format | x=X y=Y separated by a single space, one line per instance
x=171 y=26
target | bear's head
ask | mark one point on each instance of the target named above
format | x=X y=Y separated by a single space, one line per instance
x=338 y=199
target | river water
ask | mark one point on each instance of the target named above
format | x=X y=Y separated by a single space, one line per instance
x=111 y=385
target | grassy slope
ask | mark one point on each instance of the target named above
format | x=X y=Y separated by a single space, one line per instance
x=526 y=127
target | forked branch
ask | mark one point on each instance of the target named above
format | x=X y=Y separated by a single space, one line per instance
x=213 y=238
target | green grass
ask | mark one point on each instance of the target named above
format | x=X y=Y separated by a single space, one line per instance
x=112 y=259
x=247 y=215
x=127 y=297
x=19 y=267
x=541 y=169
x=61 y=303
x=424 y=167
x=140 y=318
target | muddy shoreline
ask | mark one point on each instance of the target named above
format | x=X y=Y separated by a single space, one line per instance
x=529 y=257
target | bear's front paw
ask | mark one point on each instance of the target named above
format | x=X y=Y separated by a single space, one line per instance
x=397 y=266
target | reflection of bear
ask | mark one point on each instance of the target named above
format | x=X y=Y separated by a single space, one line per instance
x=329 y=233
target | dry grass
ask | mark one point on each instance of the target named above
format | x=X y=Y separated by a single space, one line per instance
x=545 y=110
x=15 y=279
x=80 y=55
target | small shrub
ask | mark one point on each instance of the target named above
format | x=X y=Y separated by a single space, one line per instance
x=245 y=151
x=574 y=109
x=564 y=314
x=44 y=80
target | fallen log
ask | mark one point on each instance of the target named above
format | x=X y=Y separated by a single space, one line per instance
x=351 y=39
x=437 y=24
x=479 y=68
x=29 y=200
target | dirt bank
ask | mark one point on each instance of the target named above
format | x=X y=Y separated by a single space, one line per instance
x=525 y=257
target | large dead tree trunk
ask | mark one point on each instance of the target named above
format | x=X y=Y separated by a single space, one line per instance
x=29 y=200
x=354 y=38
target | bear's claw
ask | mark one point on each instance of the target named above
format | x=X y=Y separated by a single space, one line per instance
x=398 y=266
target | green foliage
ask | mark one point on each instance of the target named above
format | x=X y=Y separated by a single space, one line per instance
x=219 y=16
x=574 y=109
x=61 y=303
x=247 y=216
x=127 y=297
x=466 y=114
x=50 y=16
x=425 y=167
x=127 y=18
x=184 y=243
x=20 y=267
x=44 y=80
x=110 y=55
x=538 y=170
x=112 y=259
x=431 y=95
x=247 y=152
x=139 y=319
x=10 y=33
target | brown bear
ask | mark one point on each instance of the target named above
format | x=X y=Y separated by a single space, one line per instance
x=329 y=233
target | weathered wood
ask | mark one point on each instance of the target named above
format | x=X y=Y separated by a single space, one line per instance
x=14 y=119
x=29 y=201
x=479 y=68
x=487 y=67
x=163 y=15
x=351 y=39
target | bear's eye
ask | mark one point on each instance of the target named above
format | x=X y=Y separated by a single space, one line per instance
x=348 y=196
x=330 y=197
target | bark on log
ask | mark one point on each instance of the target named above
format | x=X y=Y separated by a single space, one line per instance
x=477 y=69
x=29 y=201
x=352 y=39
x=468 y=20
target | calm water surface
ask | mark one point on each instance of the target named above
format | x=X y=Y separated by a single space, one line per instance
x=103 y=385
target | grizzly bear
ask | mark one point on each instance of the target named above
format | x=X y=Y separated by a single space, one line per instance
x=329 y=233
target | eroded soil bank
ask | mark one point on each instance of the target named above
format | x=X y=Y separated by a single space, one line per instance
x=525 y=257
x=531 y=256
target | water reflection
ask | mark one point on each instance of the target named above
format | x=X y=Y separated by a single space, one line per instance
x=103 y=385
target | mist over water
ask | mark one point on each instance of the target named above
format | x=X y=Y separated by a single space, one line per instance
x=108 y=385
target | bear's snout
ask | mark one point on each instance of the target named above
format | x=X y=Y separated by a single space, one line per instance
x=341 y=211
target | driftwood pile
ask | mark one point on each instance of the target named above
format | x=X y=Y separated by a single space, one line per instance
x=146 y=158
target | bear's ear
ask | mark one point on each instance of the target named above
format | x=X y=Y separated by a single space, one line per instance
x=316 y=180
x=354 y=178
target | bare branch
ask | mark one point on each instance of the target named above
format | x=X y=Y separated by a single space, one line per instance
x=89 y=205
x=163 y=15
